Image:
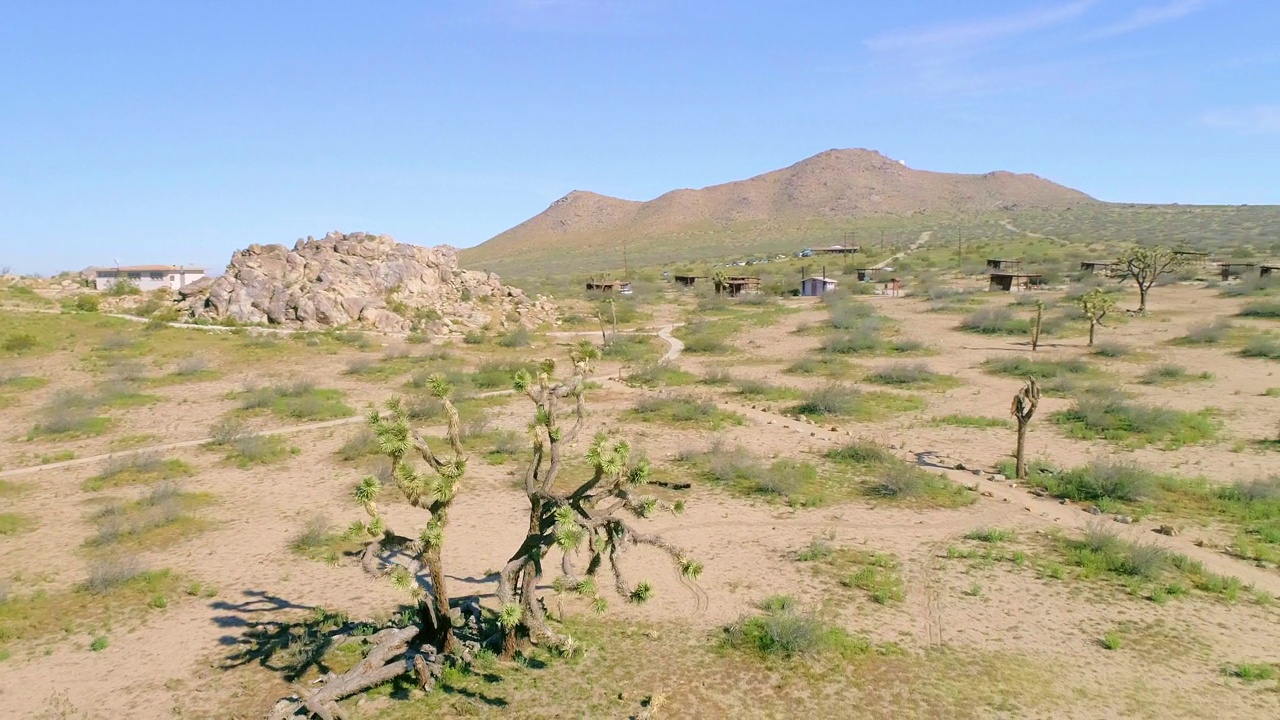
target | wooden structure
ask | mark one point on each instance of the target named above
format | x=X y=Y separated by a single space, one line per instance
x=742 y=285
x=1110 y=269
x=1234 y=270
x=1015 y=282
x=1266 y=270
x=816 y=286
x=1001 y=264
x=867 y=274
x=622 y=287
x=690 y=280
x=837 y=250
x=1192 y=257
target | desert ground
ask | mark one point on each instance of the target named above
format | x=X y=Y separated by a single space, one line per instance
x=174 y=501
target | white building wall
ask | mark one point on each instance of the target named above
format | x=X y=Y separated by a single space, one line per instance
x=148 y=281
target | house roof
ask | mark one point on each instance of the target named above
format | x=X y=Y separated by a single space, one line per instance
x=148 y=268
x=829 y=281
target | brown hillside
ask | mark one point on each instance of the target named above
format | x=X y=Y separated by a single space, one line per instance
x=830 y=186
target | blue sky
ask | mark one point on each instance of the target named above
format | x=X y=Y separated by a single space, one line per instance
x=179 y=131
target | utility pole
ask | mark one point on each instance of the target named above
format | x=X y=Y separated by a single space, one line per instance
x=626 y=272
x=960 y=246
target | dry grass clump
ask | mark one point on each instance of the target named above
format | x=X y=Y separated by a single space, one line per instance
x=782 y=630
x=1209 y=333
x=137 y=468
x=161 y=517
x=683 y=411
x=299 y=400
x=1135 y=425
x=888 y=477
x=835 y=400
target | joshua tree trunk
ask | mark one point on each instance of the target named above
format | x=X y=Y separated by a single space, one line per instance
x=1093 y=324
x=1024 y=407
x=1035 y=329
x=440 y=634
x=1142 y=298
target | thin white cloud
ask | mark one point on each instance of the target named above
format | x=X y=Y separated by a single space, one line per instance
x=1146 y=17
x=975 y=32
x=1249 y=120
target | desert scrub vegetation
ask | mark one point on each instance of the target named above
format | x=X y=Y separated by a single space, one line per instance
x=888 y=478
x=137 y=468
x=13 y=524
x=781 y=629
x=1269 y=309
x=1251 y=287
x=684 y=412
x=160 y=518
x=704 y=337
x=296 y=400
x=1261 y=346
x=1207 y=333
x=842 y=401
x=995 y=321
x=739 y=470
x=1169 y=374
x=116 y=588
x=1133 y=425
x=911 y=375
x=660 y=374
x=753 y=389
x=493 y=375
x=877 y=574
x=1251 y=672
x=836 y=368
x=320 y=539
x=244 y=447
x=1057 y=376
x=977 y=422
x=632 y=348
x=1111 y=349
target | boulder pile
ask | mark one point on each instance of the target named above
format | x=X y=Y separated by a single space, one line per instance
x=359 y=280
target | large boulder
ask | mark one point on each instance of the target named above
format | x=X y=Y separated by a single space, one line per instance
x=361 y=280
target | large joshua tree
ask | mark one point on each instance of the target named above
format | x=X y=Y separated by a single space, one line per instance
x=420 y=647
x=591 y=512
x=1146 y=265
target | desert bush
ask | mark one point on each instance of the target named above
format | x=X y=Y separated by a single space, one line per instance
x=1100 y=480
x=518 y=338
x=864 y=339
x=1258 y=490
x=83 y=303
x=1210 y=333
x=1167 y=374
x=838 y=400
x=908 y=374
x=849 y=314
x=227 y=430
x=191 y=366
x=970 y=421
x=995 y=321
x=1101 y=550
x=475 y=337
x=255 y=449
x=1251 y=286
x=892 y=478
x=705 y=337
x=661 y=373
x=134 y=468
x=1251 y=672
x=821 y=365
x=19 y=342
x=494 y=374
x=1111 y=349
x=360 y=443
x=782 y=631
x=1136 y=425
x=1262 y=346
x=109 y=572
x=1261 y=309
x=763 y=390
x=629 y=348
x=989 y=535
x=315 y=534
x=683 y=411
x=717 y=376
x=298 y=399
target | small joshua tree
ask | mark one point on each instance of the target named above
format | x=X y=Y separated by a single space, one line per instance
x=1146 y=265
x=1035 y=325
x=1096 y=304
x=720 y=281
x=1023 y=408
x=590 y=513
x=420 y=647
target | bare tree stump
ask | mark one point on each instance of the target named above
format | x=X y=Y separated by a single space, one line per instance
x=1023 y=408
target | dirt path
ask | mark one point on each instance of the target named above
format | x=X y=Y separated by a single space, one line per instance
x=925 y=237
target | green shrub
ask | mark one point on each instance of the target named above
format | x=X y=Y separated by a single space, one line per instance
x=996 y=321
x=842 y=401
x=891 y=478
x=137 y=468
x=762 y=390
x=121 y=288
x=360 y=443
x=1210 y=333
x=299 y=400
x=971 y=421
x=1261 y=309
x=1262 y=346
x=518 y=338
x=1251 y=672
x=705 y=337
x=475 y=337
x=1098 y=481
x=1137 y=425
x=1171 y=374
x=910 y=374
x=662 y=373
x=1112 y=640
x=683 y=411
x=1111 y=349
x=19 y=342
x=782 y=631
x=989 y=535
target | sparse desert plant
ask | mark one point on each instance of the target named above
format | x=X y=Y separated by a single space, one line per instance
x=108 y=572
x=1111 y=349
x=989 y=535
x=1168 y=374
x=517 y=338
x=1112 y=640
x=1262 y=346
x=1251 y=672
x=1261 y=309
x=1209 y=333
x=909 y=374
x=191 y=366
x=142 y=467
x=360 y=443
x=995 y=321
x=1098 y=481
x=19 y=342
x=1137 y=425
x=781 y=630
x=1095 y=305
x=683 y=411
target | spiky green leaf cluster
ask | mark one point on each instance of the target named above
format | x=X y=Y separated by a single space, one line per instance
x=642 y=592
x=690 y=568
x=509 y=616
x=367 y=491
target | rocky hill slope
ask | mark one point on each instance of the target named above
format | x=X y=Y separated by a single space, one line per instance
x=359 y=280
x=819 y=192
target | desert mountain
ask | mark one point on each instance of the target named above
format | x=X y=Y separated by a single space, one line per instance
x=827 y=188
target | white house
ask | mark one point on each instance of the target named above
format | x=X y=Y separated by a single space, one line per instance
x=147 y=277
x=814 y=286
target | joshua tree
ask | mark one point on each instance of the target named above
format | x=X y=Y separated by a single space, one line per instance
x=720 y=281
x=420 y=647
x=1096 y=304
x=1024 y=406
x=1035 y=325
x=1146 y=265
x=565 y=518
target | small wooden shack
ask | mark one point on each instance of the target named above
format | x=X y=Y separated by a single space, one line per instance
x=837 y=250
x=690 y=280
x=1099 y=266
x=1265 y=270
x=867 y=274
x=1230 y=270
x=1015 y=282
x=622 y=287
x=742 y=285
x=1003 y=264
x=1192 y=257
x=816 y=286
